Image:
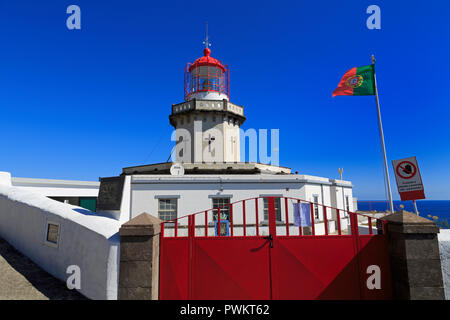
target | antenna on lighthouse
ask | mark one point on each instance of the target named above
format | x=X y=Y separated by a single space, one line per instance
x=206 y=42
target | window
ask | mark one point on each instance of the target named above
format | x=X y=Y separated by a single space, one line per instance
x=207 y=78
x=347 y=204
x=316 y=207
x=277 y=209
x=167 y=209
x=223 y=204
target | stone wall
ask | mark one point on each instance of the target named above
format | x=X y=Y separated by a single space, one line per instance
x=139 y=258
x=82 y=239
x=414 y=257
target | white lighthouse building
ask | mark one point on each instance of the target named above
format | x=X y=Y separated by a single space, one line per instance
x=208 y=171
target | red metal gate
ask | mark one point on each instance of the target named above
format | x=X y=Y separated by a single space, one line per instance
x=251 y=249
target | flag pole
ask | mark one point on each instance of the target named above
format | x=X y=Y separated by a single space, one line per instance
x=391 y=204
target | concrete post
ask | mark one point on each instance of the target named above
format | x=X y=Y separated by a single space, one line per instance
x=414 y=257
x=139 y=258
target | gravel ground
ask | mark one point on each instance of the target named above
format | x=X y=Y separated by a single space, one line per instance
x=22 y=279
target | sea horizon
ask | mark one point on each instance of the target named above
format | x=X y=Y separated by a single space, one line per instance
x=427 y=208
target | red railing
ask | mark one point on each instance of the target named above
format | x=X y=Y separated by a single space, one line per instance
x=234 y=220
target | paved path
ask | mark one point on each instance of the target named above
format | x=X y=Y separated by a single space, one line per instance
x=22 y=279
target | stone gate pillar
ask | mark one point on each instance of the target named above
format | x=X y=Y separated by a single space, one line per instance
x=414 y=257
x=139 y=258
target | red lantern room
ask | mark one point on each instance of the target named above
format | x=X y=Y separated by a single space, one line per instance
x=207 y=78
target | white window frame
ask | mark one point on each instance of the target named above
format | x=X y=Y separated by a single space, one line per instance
x=223 y=206
x=175 y=199
x=316 y=206
x=266 y=209
x=347 y=204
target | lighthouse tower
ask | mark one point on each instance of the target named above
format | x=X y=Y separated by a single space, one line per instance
x=207 y=124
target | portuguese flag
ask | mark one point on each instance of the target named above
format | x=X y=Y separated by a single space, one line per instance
x=357 y=81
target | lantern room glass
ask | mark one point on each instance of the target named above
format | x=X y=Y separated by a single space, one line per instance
x=207 y=78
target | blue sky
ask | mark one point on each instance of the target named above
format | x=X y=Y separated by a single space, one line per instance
x=83 y=104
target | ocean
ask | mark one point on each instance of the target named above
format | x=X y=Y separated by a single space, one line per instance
x=434 y=208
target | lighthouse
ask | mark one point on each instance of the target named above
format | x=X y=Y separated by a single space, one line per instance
x=209 y=172
x=207 y=125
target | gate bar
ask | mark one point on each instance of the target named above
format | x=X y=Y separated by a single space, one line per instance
x=300 y=229
x=218 y=222
x=286 y=212
x=272 y=216
x=325 y=220
x=231 y=218
x=206 y=223
x=243 y=212
x=190 y=244
x=176 y=228
x=257 y=219
x=338 y=221
x=312 y=219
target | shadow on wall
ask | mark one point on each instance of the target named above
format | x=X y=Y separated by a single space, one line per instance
x=52 y=288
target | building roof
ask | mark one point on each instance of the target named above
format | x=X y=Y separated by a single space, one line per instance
x=209 y=168
x=33 y=182
x=237 y=179
x=207 y=60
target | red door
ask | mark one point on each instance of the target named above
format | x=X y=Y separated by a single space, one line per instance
x=231 y=268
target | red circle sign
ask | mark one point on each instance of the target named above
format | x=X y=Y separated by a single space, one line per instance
x=406 y=170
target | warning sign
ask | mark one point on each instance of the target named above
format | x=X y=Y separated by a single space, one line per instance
x=409 y=181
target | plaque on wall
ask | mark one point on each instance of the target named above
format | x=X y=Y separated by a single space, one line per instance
x=52 y=233
x=110 y=193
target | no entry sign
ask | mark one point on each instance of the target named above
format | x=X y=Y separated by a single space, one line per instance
x=409 y=181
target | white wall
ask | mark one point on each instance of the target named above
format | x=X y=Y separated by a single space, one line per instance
x=349 y=192
x=5 y=178
x=444 y=250
x=231 y=150
x=86 y=239
x=196 y=193
x=193 y=197
x=209 y=95
x=196 y=129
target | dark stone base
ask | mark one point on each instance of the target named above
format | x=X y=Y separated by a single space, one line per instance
x=135 y=293
x=415 y=260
